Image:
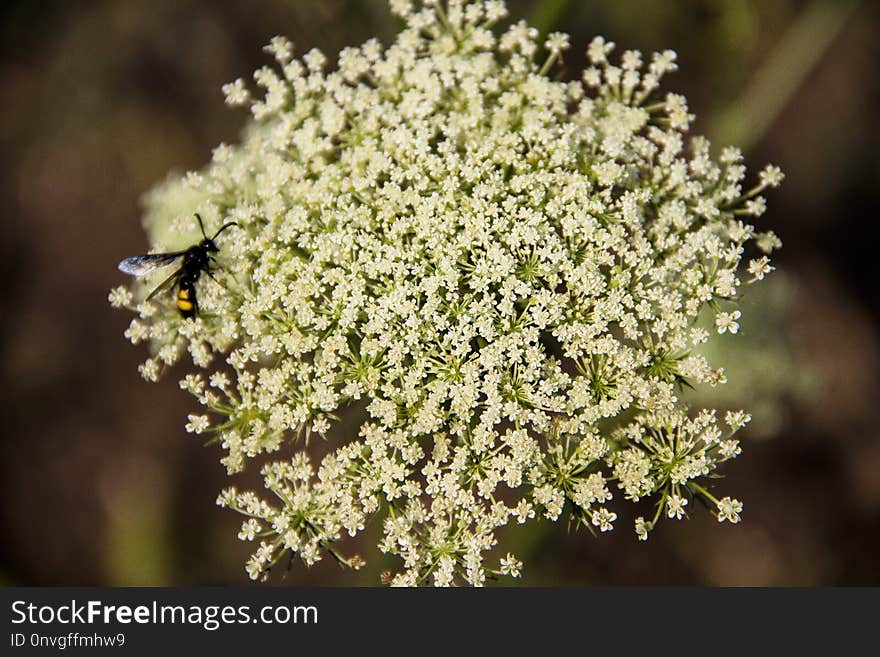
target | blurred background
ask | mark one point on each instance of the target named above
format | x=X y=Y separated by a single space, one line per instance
x=101 y=100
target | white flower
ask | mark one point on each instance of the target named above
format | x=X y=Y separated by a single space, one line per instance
x=699 y=336
x=675 y=506
x=599 y=50
x=219 y=380
x=281 y=48
x=768 y=242
x=236 y=93
x=149 y=370
x=729 y=509
x=755 y=207
x=523 y=511
x=737 y=419
x=197 y=423
x=504 y=273
x=557 y=42
x=249 y=529
x=760 y=267
x=120 y=297
x=729 y=449
x=771 y=176
x=603 y=519
x=495 y=10
x=727 y=321
x=402 y=8
x=315 y=60
x=510 y=565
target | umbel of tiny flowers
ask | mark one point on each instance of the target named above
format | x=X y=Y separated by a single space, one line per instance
x=513 y=275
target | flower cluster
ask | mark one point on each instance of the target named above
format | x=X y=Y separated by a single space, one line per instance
x=510 y=276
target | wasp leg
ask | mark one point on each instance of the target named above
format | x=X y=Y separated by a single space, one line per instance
x=208 y=270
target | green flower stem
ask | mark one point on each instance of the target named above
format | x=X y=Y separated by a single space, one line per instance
x=803 y=45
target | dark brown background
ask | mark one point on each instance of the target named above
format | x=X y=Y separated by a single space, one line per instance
x=100 y=100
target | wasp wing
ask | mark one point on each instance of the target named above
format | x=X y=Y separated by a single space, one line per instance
x=168 y=282
x=144 y=264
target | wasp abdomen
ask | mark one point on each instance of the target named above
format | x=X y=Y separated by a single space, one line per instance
x=186 y=299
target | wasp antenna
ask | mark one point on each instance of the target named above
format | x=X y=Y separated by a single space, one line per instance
x=222 y=228
x=201 y=225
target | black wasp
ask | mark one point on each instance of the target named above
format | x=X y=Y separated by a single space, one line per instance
x=196 y=259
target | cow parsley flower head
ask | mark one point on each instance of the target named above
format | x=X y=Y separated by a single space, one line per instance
x=512 y=275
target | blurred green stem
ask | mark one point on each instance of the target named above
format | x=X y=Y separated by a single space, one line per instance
x=747 y=120
x=547 y=14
